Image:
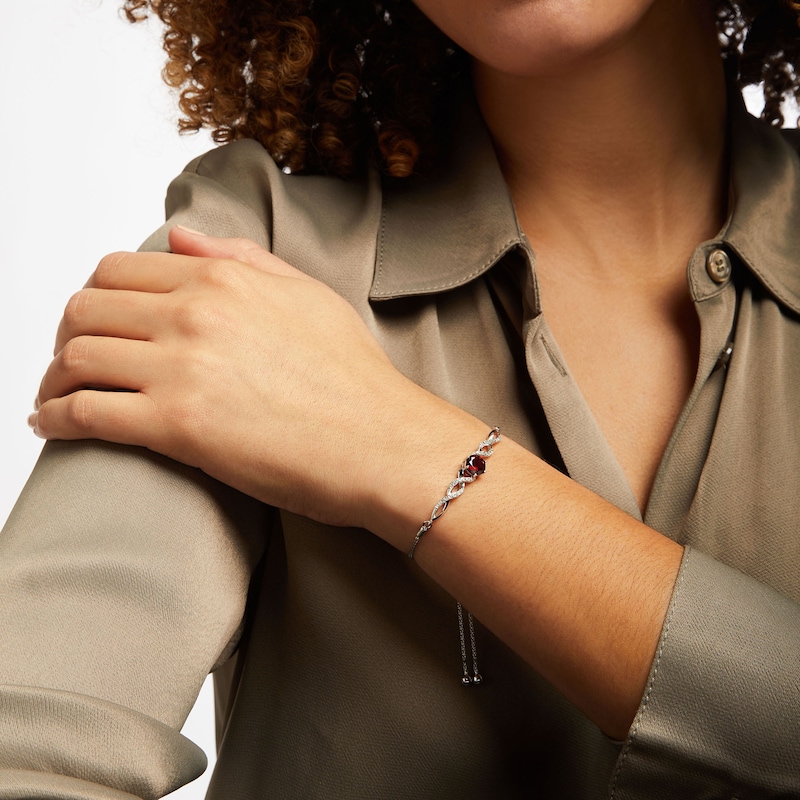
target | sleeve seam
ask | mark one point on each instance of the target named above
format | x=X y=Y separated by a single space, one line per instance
x=651 y=682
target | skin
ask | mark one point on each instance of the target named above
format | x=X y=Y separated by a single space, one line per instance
x=537 y=38
x=615 y=215
x=576 y=587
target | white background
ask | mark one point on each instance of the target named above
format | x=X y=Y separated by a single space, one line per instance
x=88 y=145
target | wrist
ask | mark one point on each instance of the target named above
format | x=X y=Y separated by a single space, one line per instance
x=472 y=467
x=428 y=445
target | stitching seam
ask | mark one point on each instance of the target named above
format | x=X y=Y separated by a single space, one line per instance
x=646 y=700
x=556 y=363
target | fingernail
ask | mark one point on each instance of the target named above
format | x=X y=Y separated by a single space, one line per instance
x=190 y=230
x=33 y=422
x=36 y=403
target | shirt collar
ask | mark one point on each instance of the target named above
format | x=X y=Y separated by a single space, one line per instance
x=441 y=231
x=764 y=228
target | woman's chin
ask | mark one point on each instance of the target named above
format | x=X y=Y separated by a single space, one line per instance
x=531 y=38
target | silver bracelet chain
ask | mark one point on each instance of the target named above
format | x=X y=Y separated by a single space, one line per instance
x=471 y=469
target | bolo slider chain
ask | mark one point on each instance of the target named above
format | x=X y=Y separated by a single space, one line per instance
x=466 y=679
x=473 y=466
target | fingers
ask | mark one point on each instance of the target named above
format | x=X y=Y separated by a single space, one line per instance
x=193 y=243
x=140 y=272
x=122 y=417
x=142 y=295
x=109 y=312
x=193 y=255
x=98 y=362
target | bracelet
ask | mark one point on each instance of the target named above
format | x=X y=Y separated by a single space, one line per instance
x=474 y=466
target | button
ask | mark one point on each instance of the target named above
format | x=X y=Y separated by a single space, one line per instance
x=718 y=266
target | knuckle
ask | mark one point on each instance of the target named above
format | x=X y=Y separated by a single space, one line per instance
x=74 y=355
x=106 y=268
x=76 y=308
x=181 y=424
x=196 y=317
x=81 y=411
x=186 y=416
x=221 y=273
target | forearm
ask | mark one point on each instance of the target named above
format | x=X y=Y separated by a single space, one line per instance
x=575 y=586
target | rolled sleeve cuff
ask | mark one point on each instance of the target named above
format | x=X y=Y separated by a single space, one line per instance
x=42 y=756
x=720 y=717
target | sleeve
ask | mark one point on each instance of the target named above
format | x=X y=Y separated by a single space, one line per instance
x=123 y=581
x=720 y=717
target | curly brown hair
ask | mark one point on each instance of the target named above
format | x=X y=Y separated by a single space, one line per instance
x=325 y=89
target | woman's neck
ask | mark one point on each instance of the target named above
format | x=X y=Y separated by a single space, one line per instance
x=621 y=154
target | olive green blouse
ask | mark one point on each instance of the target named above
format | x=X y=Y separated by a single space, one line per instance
x=125 y=577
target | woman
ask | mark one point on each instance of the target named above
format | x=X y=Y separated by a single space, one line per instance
x=344 y=379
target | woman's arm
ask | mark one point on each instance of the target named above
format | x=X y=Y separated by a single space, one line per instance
x=576 y=586
x=237 y=372
x=123 y=580
x=323 y=397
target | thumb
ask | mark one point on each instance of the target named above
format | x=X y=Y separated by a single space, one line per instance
x=189 y=242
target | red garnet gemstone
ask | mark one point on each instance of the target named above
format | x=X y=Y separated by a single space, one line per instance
x=475 y=466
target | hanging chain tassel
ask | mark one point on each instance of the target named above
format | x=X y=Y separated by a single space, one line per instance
x=476 y=678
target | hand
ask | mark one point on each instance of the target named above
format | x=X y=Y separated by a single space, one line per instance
x=237 y=363
x=232 y=361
